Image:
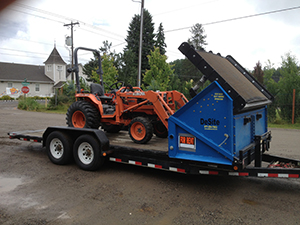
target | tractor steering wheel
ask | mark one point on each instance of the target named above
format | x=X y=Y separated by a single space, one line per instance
x=116 y=85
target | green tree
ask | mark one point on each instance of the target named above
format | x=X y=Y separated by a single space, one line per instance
x=187 y=71
x=110 y=72
x=160 y=40
x=158 y=75
x=272 y=87
x=92 y=65
x=133 y=38
x=198 y=37
x=290 y=80
x=129 y=70
x=258 y=73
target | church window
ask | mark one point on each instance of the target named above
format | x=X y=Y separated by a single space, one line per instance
x=49 y=68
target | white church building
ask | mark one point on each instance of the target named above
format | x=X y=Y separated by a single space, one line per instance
x=41 y=80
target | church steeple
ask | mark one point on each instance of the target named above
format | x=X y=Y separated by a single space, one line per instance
x=55 y=66
x=55 y=58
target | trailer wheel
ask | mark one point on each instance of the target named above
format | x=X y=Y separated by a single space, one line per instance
x=83 y=114
x=160 y=130
x=59 y=148
x=87 y=153
x=140 y=130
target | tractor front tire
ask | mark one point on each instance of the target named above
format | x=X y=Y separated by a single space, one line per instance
x=83 y=114
x=140 y=130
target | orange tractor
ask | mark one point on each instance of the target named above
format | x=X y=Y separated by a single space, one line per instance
x=122 y=107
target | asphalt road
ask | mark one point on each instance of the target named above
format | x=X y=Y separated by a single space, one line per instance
x=35 y=191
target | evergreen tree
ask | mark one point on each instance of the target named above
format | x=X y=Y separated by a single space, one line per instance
x=258 y=73
x=187 y=72
x=133 y=38
x=129 y=70
x=198 y=37
x=160 y=40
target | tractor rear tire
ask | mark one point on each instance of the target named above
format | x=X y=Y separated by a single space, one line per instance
x=83 y=114
x=140 y=130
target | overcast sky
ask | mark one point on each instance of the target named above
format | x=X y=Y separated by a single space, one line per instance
x=29 y=28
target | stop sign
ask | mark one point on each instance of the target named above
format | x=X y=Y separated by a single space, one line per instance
x=25 y=89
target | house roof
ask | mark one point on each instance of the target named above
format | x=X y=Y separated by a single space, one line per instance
x=19 y=72
x=59 y=84
x=55 y=58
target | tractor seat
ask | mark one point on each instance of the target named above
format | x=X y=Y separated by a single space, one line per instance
x=98 y=91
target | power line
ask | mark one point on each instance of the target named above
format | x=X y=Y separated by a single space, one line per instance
x=63 y=17
x=36 y=42
x=39 y=57
x=8 y=49
x=239 y=18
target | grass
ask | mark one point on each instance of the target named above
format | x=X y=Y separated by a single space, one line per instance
x=280 y=123
x=284 y=125
x=58 y=110
x=30 y=104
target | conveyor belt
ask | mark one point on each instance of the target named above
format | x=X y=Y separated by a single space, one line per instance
x=241 y=86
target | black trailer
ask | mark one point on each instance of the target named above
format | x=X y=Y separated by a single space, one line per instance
x=221 y=131
x=90 y=148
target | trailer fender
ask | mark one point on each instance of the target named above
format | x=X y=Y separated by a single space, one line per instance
x=73 y=133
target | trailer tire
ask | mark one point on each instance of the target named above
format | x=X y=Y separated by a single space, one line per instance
x=160 y=130
x=140 y=130
x=59 y=148
x=83 y=114
x=87 y=153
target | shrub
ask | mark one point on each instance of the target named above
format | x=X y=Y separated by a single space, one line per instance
x=28 y=104
x=6 y=97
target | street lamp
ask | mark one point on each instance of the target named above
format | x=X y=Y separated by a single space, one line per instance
x=141 y=44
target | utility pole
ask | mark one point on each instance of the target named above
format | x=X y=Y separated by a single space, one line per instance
x=72 y=43
x=139 y=77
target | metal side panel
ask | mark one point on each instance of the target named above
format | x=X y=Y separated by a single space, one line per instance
x=202 y=129
x=247 y=125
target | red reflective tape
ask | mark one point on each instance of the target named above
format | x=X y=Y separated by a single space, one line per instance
x=213 y=172
x=25 y=139
x=294 y=175
x=244 y=174
x=181 y=170
x=158 y=166
x=273 y=175
x=118 y=160
x=138 y=163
